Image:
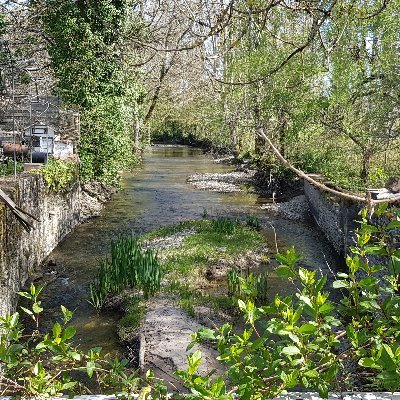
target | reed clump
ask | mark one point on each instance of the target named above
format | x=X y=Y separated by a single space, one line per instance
x=129 y=266
x=247 y=285
x=225 y=226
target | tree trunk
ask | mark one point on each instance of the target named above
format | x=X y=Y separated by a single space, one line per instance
x=366 y=164
x=136 y=131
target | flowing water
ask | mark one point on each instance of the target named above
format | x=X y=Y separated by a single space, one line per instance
x=155 y=195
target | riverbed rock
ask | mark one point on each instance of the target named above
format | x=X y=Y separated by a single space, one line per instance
x=167 y=332
x=229 y=182
x=296 y=209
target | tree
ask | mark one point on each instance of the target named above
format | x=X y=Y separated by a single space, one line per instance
x=92 y=61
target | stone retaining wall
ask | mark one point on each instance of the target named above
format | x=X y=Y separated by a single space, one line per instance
x=20 y=251
x=336 y=217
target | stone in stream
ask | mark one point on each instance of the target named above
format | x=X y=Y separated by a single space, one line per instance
x=167 y=332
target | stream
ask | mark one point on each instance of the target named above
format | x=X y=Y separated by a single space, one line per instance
x=152 y=196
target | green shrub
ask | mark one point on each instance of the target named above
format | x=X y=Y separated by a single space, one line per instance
x=309 y=340
x=59 y=175
x=44 y=365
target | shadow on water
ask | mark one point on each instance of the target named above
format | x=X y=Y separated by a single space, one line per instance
x=154 y=195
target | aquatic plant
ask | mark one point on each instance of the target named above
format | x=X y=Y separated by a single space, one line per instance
x=129 y=266
x=247 y=285
x=253 y=222
x=227 y=226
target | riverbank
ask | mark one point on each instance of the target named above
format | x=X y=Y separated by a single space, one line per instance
x=204 y=264
x=157 y=195
x=92 y=199
x=287 y=195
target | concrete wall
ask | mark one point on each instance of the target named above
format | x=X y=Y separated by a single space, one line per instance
x=20 y=251
x=334 y=216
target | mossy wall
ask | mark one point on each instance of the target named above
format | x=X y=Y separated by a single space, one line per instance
x=21 y=252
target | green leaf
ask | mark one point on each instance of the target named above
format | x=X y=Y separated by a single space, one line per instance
x=320 y=283
x=41 y=345
x=392 y=225
x=381 y=209
x=312 y=373
x=395 y=264
x=281 y=258
x=36 y=308
x=307 y=329
x=306 y=300
x=68 y=385
x=218 y=387
x=38 y=368
x=340 y=284
x=388 y=358
x=290 y=350
x=297 y=314
x=194 y=362
x=67 y=315
x=242 y=305
x=374 y=249
x=90 y=368
x=283 y=271
x=76 y=356
x=56 y=330
x=69 y=333
x=25 y=294
x=368 y=362
x=29 y=312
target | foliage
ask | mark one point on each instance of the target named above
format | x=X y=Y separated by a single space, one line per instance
x=321 y=80
x=96 y=75
x=253 y=222
x=226 y=226
x=128 y=267
x=8 y=168
x=248 y=285
x=45 y=365
x=59 y=175
x=308 y=340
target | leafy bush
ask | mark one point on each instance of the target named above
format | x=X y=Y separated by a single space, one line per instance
x=42 y=365
x=59 y=175
x=310 y=340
